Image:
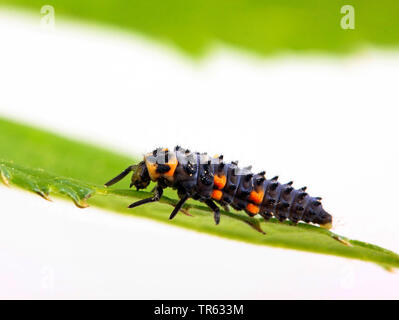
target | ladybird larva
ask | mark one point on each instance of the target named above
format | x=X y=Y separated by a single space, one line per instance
x=209 y=180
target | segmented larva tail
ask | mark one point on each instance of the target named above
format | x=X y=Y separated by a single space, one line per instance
x=285 y=202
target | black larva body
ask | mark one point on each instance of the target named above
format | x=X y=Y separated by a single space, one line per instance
x=211 y=180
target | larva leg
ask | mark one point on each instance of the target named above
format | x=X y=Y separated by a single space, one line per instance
x=215 y=209
x=184 y=211
x=255 y=225
x=119 y=177
x=266 y=215
x=157 y=195
x=225 y=206
x=178 y=206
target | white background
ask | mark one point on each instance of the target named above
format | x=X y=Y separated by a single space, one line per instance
x=326 y=122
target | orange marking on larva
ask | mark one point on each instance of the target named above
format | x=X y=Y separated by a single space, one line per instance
x=252 y=208
x=152 y=170
x=219 y=181
x=256 y=197
x=172 y=164
x=217 y=194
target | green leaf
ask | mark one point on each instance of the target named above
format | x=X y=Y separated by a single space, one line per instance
x=43 y=183
x=48 y=165
x=258 y=26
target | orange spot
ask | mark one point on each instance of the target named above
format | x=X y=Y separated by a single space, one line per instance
x=152 y=170
x=152 y=167
x=219 y=181
x=256 y=197
x=252 y=208
x=172 y=164
x=217 y=194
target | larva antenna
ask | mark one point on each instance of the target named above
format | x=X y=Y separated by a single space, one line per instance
x=120 y=176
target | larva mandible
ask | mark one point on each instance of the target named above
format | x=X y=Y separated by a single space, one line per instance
x=209 y=180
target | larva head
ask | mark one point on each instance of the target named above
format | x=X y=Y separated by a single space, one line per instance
x=140 y=178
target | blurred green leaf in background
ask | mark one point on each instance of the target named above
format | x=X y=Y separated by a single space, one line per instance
x=262 y=27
